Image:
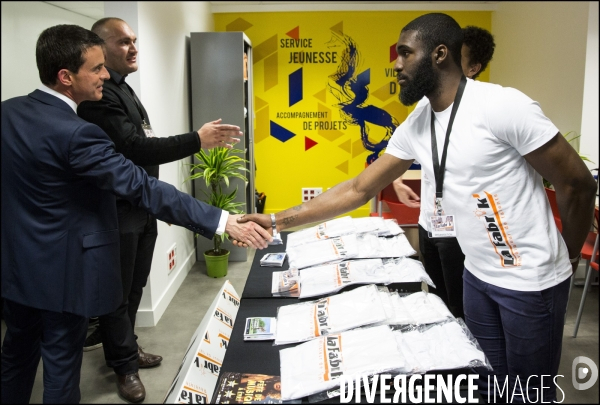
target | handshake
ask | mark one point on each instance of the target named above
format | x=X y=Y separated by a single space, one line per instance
x=250 y=230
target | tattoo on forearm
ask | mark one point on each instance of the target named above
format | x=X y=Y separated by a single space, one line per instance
x=297 y=208
x=289 y=220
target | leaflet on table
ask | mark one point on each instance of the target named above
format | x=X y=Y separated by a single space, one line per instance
x=273 y=259
x=406 y=270
x=286 y=283
x=245 y=388
x=260 y=328
x=328 y=279
x=317 y=365
x=444 y=346
x=308 y=320
x=325 y=251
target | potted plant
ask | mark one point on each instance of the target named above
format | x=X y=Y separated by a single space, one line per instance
x=216 y=167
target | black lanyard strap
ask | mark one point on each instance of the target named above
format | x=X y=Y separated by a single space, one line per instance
x=439 y=168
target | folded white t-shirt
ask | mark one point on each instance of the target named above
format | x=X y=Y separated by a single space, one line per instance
x=425 y=308
x=326 y=230
x=308 y=320
x=328 y=279
x=317 y=365
x=371 y=246
x=324 y=251
x=441 y=347
x=407 y=270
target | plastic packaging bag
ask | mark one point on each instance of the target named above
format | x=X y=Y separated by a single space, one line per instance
x=321 y=252
x=371 y=246
x=326 y=230
x=316 y=366
x=328 y=279
x=309 y=320
x=443 y=346
x=407 y=270
x=426 y=308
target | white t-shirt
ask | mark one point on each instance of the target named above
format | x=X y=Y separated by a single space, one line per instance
x=504 y=222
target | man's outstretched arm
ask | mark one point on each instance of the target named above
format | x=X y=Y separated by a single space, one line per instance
x=340 y=199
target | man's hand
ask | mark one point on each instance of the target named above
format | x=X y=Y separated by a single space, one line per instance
x=405 y=194
x=262 y=220
x=247 y=233
x=213 y=134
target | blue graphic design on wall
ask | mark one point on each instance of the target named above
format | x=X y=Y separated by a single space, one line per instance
x=352 y=92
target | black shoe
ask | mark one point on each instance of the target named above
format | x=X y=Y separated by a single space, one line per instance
x=93 y=322
x=93 y=341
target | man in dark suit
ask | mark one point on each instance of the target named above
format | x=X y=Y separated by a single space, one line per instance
x=60 y=238
x=123 y=117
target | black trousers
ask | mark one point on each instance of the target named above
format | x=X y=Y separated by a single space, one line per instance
x=55 y=337
x=138 y=233
x=444 y=261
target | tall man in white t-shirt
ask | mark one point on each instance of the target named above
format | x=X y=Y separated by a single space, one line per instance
x=442 y=257
x=517 y=264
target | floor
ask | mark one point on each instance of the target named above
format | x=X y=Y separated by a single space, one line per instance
x=171 y=337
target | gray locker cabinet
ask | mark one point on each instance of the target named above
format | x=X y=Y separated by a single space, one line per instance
x=218 y=90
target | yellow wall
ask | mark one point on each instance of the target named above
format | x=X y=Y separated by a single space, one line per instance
x=285 y=166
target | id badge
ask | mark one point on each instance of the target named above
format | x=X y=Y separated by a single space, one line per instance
x=442 y=226
x=148 y=130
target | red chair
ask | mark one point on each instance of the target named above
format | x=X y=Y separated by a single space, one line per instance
x=590 y=253
x=552 y=199
x=405 y=216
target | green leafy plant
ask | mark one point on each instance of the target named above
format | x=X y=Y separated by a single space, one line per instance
x=570 y=137
x=217 y=166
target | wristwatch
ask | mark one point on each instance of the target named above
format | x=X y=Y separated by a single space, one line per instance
x=573 y=260
x=273 y=225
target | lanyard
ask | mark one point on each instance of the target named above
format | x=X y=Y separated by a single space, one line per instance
x=439 y=168
x=133 y=98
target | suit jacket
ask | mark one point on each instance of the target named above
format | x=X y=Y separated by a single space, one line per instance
x=60 y=175
x=120 y=114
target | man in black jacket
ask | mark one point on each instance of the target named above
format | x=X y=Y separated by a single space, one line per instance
x=123 y=117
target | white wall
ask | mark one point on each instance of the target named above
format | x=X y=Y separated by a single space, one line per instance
x=589 y=118
x=541 y=50
x=22 y=24
x=164 y=28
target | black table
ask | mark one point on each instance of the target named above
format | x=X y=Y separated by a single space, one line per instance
x=258 y=283
x=262 y=357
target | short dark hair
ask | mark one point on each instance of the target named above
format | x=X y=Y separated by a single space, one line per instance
x=63 y=47
x=481 y=46
x=438 y=29
x=98 y=25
